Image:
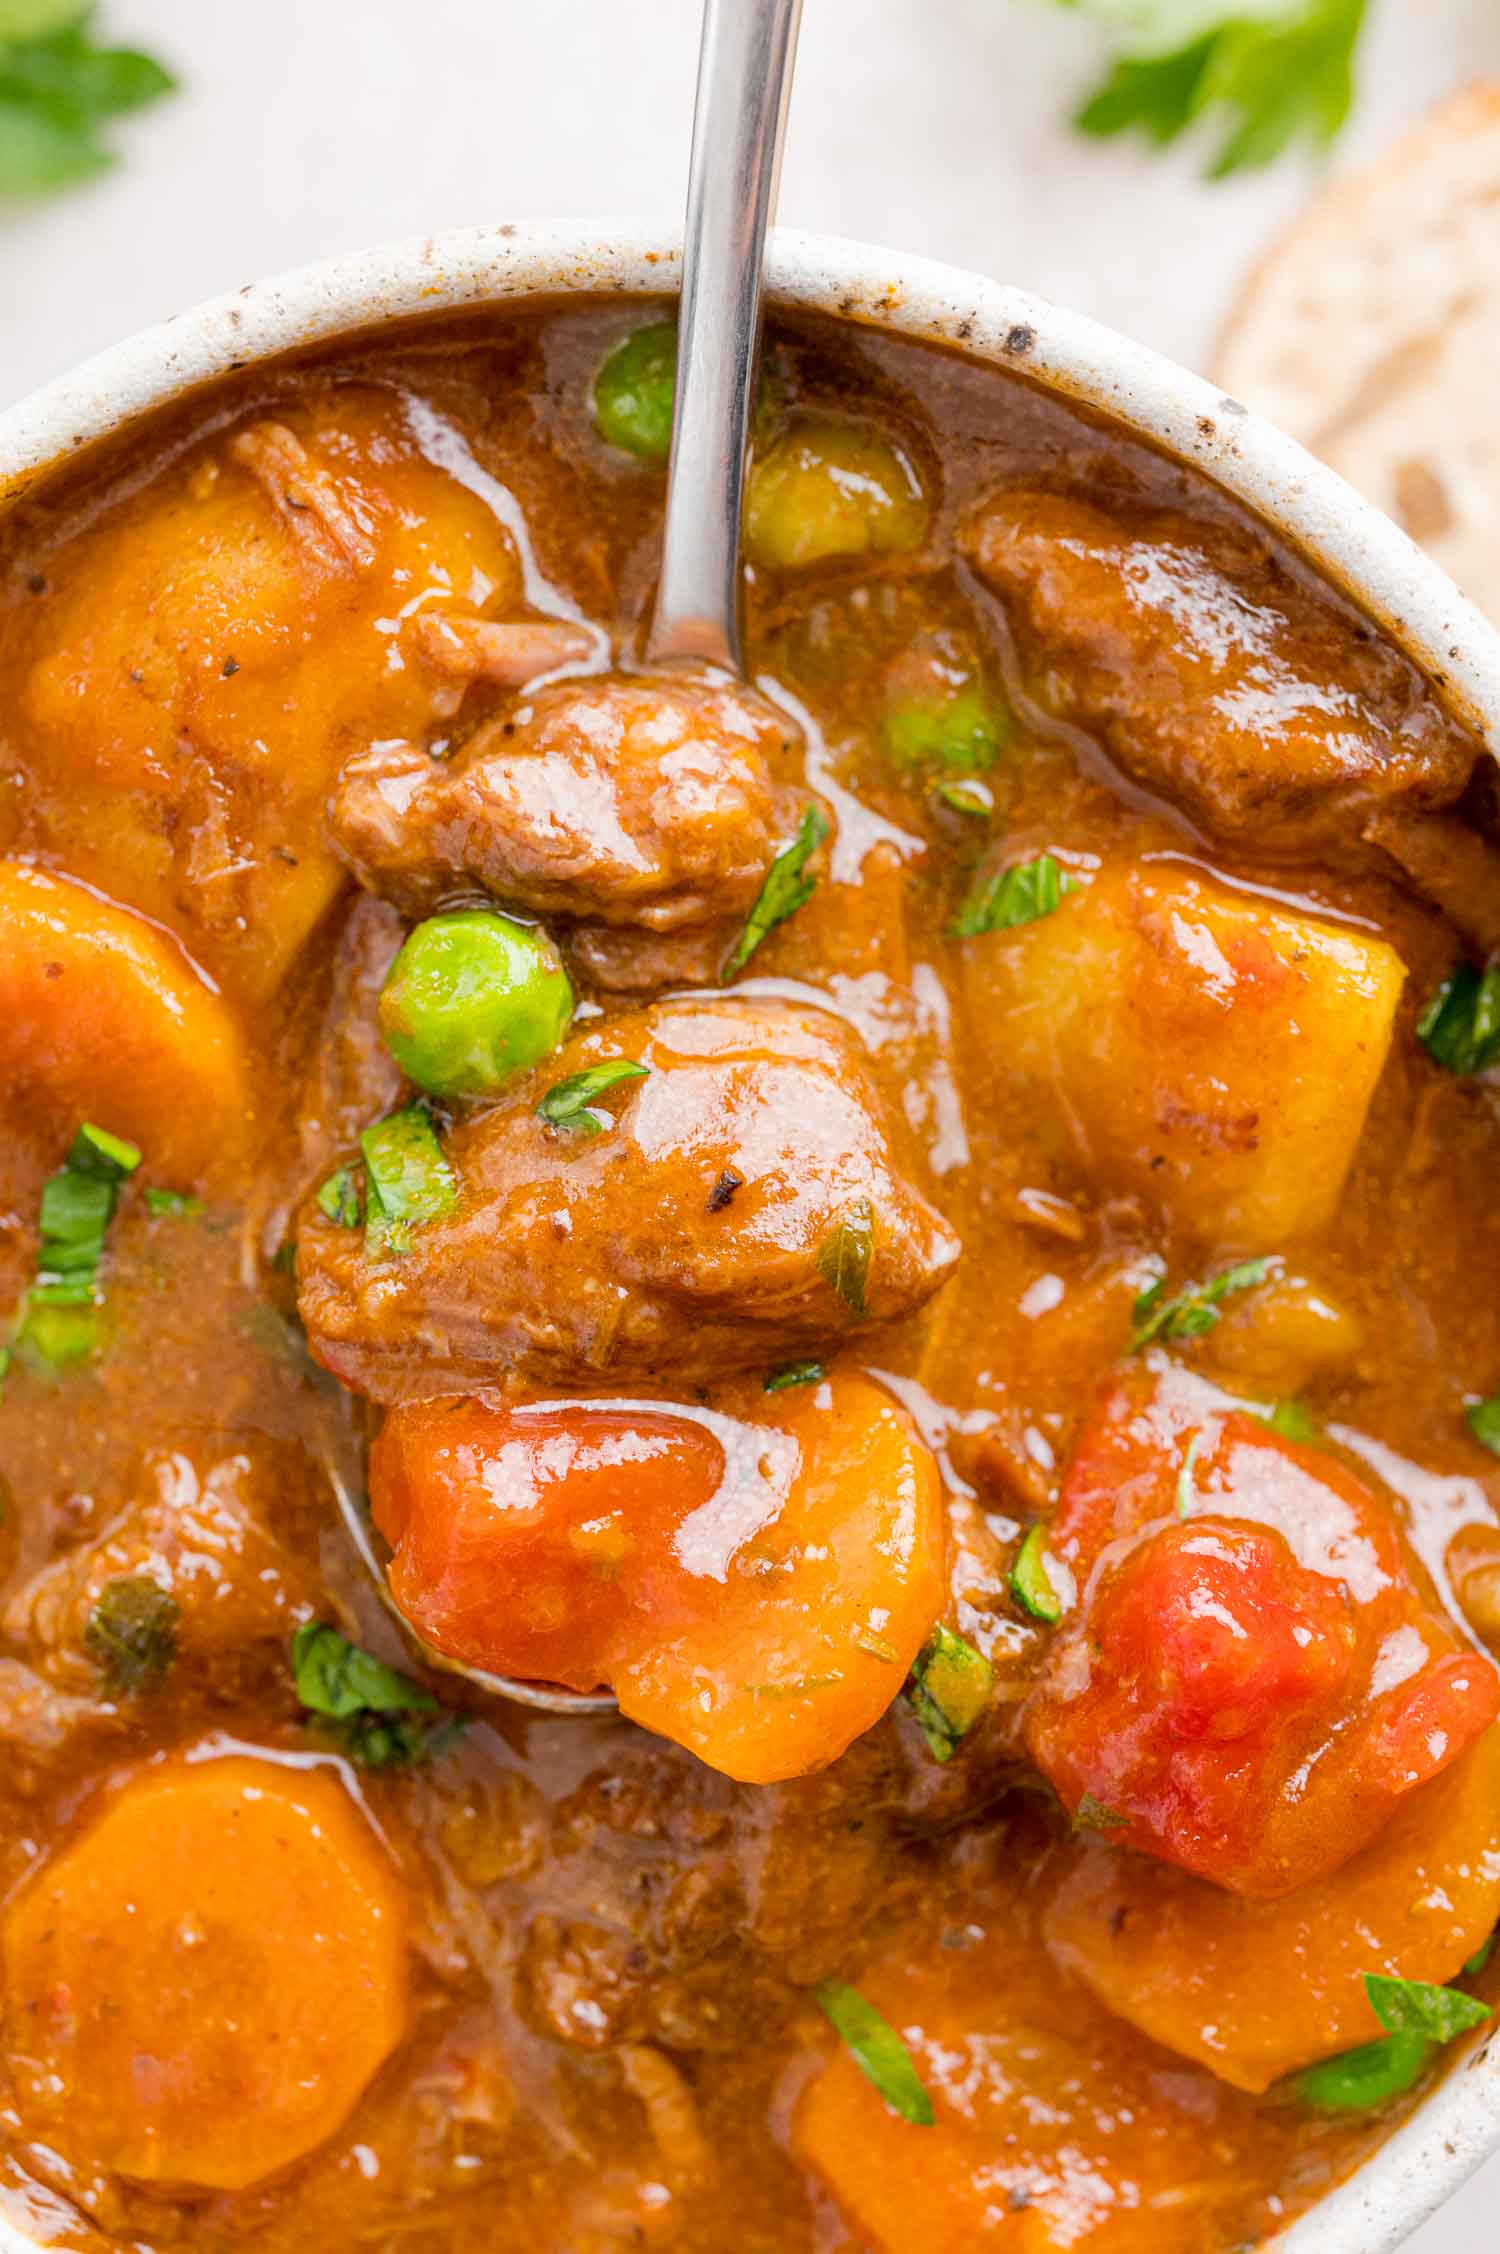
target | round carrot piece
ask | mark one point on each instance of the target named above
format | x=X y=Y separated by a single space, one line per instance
x=198 y=1989
x=753 y=1580
x=103 y=1017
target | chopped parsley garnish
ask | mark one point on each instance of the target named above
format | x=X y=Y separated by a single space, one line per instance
x=964 y=732
x=845 y=1255
x=1480 y=1958
x=785 y=890
x=1271 y=74
x=1294 y=1420
x=1094 y=1815
x=877 y=2050
x=1460 y=1027
x=339 y=1199
x=973 y=800
x=1187 y=1476
x=1483 y=1420
x=949 y=1689
x=409 y=1180
x=569 y=1103
x=1017 y=895
x=1416 y=2007
x=172 y=1205
x=1367 y=2076
x=58 y=88
x=1194 y=1309
x=1418 y=2017
x=378 y=1716
x=78 y=1203
x=795 y=1373
x=1029 y=1583
x=132 y=1632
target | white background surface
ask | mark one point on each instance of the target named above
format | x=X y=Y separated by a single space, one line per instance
x=311 y=126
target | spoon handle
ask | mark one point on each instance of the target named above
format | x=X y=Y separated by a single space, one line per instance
x=744 y=77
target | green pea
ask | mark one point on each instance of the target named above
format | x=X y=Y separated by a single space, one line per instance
x=634 y=390
x=961 y=734
x=471 y=998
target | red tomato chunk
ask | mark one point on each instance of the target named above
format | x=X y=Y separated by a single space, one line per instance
x=1254 y=1679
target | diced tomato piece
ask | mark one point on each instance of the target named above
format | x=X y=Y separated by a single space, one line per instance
x=1254 y=1678
x=753 y=1580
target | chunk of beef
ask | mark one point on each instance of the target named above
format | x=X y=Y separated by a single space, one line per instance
x=197 y=1522
x=351 y=1077
x=1209 y=675
x=574 y=1257
x=625 y=806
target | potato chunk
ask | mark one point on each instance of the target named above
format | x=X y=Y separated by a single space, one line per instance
x=1207 y=1049
x=1255 y=1990
x=102 y=1017
x=198 y=661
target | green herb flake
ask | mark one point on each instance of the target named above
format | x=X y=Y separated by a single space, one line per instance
x=1094 y=1815
x=1483 y=1420
x=1194 y=1309
x=1030 y=1586
x=1460 y=1027
x=172 y=1205
x=877 y=2050
x=1476 y=1963
x=785 y=890
x=339 y=1199
x=569 y=1103
x=1268 y=75
x=949 y=1689
x=1368 y=2076
x=78 y=1203
x=795 y=1373
x=409 y=1179
x=1009 y=897
x=378 y=1716
x=1416 y=2007
x=962 y=733
x=132 y=1633
x=877 y=1647
x=845 y=1255
x=58 y=88
x=1293 y=1420
x=973 y=800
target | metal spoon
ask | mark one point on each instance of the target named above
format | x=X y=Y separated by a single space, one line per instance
x=739 y=119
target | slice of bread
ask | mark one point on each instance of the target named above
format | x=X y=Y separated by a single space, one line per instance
x=1371 y=331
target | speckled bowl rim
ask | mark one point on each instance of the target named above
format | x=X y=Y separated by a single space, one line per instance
x=1340 y=534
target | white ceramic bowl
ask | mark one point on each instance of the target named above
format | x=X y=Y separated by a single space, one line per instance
x=1346 y=539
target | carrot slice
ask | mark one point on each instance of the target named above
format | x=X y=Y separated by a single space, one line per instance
x=198 y=1989
x=754 y=1584
x=103 y=1017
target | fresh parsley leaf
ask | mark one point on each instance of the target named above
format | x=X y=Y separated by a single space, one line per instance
x=1294 y=1420
x=1268 y=71
x=845 y=1255
x=1416 y=2007
x=1018 y=895
x=1194 y=1309
x=1030 y=1585
x=172 y=1205
x=1369 y=2075
x=377 y=1715
x=785 y=890
x=409 y=1179
x=78 y=1204
x=1483 y=1420
x=1481 y=1957
x=568 y=1102
x=1093 y=1815
x=975 y=801
x=795 y=1373
x=132 y=1632
x=949 y=1689
x=877 y=2050
x=339 y=1199
x=1460 y=1027
x=58 y=88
